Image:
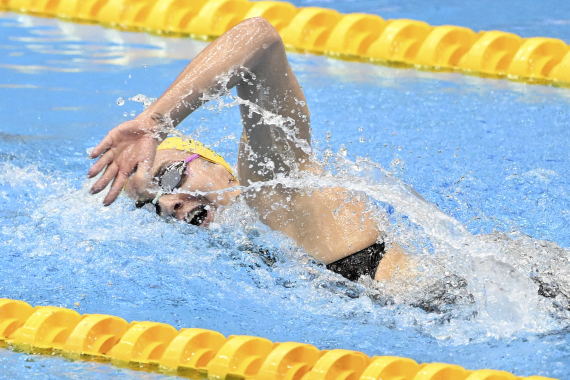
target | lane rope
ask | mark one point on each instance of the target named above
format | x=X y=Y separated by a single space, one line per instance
x=200 y=353
x=356 y=36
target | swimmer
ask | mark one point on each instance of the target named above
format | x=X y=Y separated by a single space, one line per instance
x=184 y=180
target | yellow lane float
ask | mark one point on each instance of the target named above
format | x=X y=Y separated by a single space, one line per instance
x=399 y=42
x=310 y=29
x=491 y=54
x=316 y=30
x=353 y=35
x=203 y=353
x=444 y=46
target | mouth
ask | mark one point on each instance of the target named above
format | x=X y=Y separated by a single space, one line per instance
x=197 y=216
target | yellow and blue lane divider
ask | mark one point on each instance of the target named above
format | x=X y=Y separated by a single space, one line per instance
x=354 y=36
x=199 y=353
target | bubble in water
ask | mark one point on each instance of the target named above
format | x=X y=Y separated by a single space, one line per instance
x=125 y=114
x=120 y=101
x=133 y=113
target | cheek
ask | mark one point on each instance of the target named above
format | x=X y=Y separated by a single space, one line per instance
x=227 y=197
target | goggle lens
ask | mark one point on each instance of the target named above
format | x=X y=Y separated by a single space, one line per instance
x=172 y=176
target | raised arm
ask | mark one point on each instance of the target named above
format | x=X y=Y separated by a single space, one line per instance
x=251 y=56
x=329 y=223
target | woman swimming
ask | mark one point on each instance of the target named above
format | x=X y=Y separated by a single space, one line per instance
x=184 y=180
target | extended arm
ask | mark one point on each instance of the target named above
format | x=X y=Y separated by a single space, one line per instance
x=251 y=56
x=329 y=223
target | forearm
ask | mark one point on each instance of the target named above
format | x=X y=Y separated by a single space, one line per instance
x=215 y=69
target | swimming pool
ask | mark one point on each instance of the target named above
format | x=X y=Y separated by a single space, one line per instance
x=484 y=151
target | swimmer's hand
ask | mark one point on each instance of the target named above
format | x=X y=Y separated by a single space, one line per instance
x=127 y=148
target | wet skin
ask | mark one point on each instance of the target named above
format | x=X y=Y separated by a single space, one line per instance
x=329 y=223
x=201 y=190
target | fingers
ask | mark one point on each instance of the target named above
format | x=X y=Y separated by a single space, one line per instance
x=115 y=191
x=105 y=160
x=110 y=173
x=119 y=162
x=104 y=145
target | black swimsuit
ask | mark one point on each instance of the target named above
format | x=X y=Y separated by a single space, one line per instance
x=361 y=263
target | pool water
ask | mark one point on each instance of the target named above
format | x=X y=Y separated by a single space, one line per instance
x=490 y=230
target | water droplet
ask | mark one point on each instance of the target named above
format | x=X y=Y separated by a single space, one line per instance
x=120 y=101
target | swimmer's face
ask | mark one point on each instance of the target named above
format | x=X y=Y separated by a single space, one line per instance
x=197 y=198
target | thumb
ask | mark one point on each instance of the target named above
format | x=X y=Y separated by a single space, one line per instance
x=142 y=172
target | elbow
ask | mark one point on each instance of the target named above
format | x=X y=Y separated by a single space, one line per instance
x=262 y=29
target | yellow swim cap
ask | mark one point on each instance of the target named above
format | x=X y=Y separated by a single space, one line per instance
x=193 y=146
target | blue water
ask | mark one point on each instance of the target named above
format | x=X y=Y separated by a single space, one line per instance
x=490 y=155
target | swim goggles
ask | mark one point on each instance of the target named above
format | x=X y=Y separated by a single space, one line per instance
x=173 y=176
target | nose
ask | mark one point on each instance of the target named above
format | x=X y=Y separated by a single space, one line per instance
x=167 y=205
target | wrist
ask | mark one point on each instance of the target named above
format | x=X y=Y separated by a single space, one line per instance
x=156 y=123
